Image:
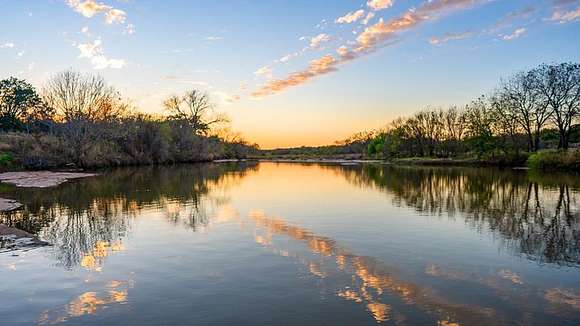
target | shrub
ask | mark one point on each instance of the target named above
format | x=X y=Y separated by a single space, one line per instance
x=551 y=159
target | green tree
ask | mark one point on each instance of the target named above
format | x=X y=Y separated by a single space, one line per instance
x=19 y=104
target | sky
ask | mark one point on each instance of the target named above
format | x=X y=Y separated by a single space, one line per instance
x=295 y=72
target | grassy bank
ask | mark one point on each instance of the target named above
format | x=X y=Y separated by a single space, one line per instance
x=555 y=160
x=113 y=145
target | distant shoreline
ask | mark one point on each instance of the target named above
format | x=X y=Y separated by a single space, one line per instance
x=397 y=162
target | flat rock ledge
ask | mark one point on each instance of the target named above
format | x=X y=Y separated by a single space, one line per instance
x=8 y=205
x=40 y=179
x=12 y=239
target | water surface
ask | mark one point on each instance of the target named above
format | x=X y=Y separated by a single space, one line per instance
x=295 y=244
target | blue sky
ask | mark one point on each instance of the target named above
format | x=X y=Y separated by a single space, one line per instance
x=291 y=72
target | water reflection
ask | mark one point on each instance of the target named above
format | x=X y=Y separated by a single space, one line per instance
x=534 y=216
x=85 y=221
x=115 y=293
x=370 y=283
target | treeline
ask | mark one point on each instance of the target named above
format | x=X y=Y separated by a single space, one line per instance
x=351 y=148
x=79 y=120
x=531 y=110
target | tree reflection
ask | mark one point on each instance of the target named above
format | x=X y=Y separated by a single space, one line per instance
x=534 y=216
x=85 y=220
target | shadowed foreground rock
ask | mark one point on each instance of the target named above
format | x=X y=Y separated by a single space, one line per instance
x=12 y=239
x=8 y=205
x=40 y=179
x=15 y=239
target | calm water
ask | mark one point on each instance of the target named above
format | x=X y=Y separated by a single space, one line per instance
x=294 y=244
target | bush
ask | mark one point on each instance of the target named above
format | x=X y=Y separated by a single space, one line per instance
x=551 y=159
x=5 y=159
x=131 y=141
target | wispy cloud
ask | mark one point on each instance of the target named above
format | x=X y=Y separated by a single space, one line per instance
x=287 y=57
x=94 y=52
x=317 y=40
x=180 y=80
x=264 y=71
x=566 y=16
x=350 y=17
x=380 y=4
x=373 y=37
x=514 y=35
x=225 y=98
x=317 y=67
x=439 y=40
x=368 y=18
x=90 y=8
x=565 y=11
x=507 y=20
x=214 y=38
x=7 y=45
x=129 y=29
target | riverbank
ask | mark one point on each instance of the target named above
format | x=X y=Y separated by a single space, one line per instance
x=397 y=161
x=12 y=239
x=546 y=160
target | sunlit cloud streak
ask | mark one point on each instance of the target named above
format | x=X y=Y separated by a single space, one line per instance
x=350 y=17
x=564 y=17
x=317 y=67
x=380 y=4
x=564 y=12
x=94 y=52
x=90 y=8
x=449 y=37
x=368 y=18
x=317 y=40
x=372 y=38
x=264 y=71
x=516 y=34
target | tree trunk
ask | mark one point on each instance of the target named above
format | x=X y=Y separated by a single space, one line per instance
x=537 y=140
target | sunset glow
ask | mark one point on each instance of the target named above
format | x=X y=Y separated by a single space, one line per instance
x=291 y=73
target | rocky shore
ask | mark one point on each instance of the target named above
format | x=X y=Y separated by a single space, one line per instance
x=40 y=179
x=13 y=239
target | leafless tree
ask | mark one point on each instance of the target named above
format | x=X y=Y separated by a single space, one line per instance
x=454 y=124
x=509 y=122
x=524 y=105
x=559 y=86
x=194 y=108
x=86 y=97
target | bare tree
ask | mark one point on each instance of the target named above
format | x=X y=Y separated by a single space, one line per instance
x=509 y=122
x=559 y=86
x=454 y=124
x=523 y=103
x=194 y=108
x=86 y=97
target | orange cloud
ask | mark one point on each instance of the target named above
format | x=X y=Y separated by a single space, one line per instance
x=317 y=67
x=379 y=4
x=317 y=40
x=350 y=17
x=90 y=8
x=368 y=41
x=368 y=18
